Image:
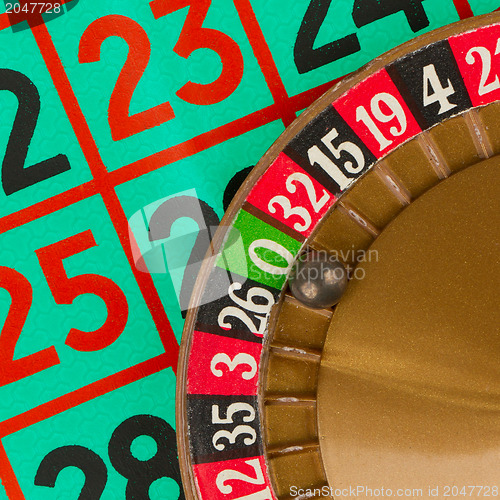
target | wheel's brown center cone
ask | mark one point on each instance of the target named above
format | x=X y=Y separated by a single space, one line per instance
x=409 y=384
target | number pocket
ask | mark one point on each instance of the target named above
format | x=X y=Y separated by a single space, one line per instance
x=233 y=475
x=396 y=112
x=248 y=305
x=485 y=57
x=240 y=359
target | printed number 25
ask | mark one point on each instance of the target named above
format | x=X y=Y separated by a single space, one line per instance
x=64 y=290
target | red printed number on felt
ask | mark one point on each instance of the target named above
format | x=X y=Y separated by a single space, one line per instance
x=21 y=293
x=121 y=124
x=65 y=290
x=193 y=37
x=288 y=194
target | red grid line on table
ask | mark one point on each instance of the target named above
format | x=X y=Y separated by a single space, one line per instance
x=305 y=99
x=463 y=8
x=48 y=206
x=8 y=477
x=5 y=19
x=158 y=160
x=84 y=394
x=265 y=59
x=216 y=136
x=109 y=196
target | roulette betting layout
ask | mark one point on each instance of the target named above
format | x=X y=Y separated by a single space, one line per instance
x=127 y=128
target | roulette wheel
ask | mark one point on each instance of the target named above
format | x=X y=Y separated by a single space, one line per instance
x=387 y=386
x=126 y=128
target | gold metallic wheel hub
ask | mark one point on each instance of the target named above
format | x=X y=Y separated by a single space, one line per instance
x=409 y=389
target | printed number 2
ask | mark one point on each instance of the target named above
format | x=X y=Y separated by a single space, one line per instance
x=121 y=124
x=364 y=12
x=91 y=464
x=14 y=175
x=306 y=57
x=161 y=224
x=21 y=293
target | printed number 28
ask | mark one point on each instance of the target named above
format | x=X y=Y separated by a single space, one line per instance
x=364 y=12
x=140 y=473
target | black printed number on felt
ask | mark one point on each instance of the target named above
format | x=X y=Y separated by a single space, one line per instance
x=139 y=473
x=369 y=11
x=91 y=464
x=364 y=12
x=204 y=215
x=306 y=57
x=15 y=176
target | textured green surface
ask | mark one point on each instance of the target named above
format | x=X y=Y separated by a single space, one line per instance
x=91 y=425
x=48 y=323
x=280 y=26
x=165 y=74
x=209 y=171
x=53 y=133
x=482 y=6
